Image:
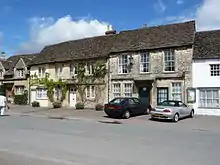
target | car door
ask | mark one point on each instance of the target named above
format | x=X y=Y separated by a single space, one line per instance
x=184 y=109
x=133 y=106
x=139 y=105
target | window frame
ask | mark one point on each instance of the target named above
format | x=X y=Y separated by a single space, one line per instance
x=214 y=70
x=43 y=93
x=129 y=92
x=167 y=60
x=206 y=98
x=20 y=73
x=167 y=94
x=90 y=92
x=121 y=64
x=115 y=92
x=1 y=73
x=19 y=90
x=90 y=68
x=177 y=93
x=41 y=71
x=147 y=62
x=58 y=70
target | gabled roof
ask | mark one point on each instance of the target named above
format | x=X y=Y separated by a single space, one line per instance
x=6 y=64
x=164 y=36
x=27 y=58
x=207 y=45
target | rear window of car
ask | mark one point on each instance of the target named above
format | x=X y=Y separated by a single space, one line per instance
x=169 y=103
x=118 y=101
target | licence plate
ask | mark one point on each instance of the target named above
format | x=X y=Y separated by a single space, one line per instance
x=158 y=115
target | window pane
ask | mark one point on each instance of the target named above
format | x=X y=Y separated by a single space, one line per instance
x=145 y=63
x=169 y=60
x=177 y=91
x=128 y=90
x=215 y=69
x=162 y=95
x=209 y=98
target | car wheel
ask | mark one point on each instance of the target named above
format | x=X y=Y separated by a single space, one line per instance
x=192 y=113
x=176 y=118
x=127 y=114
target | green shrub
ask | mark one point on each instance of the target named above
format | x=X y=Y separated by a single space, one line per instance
x=99 y=107
x=80 y=106
x=35 y=104
x=21 y=99
x=57 y=104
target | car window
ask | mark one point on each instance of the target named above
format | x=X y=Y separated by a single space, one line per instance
x=136 y=101
x=182 y=104
x=170 y=103
x=118 y=101
x=131 y=102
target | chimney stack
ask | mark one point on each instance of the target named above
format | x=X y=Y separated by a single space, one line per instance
x=145 y=25
x=110 y=30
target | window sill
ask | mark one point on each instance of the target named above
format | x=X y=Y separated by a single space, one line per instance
x=42 y=99
x=168 y=72
x=209 y=108
x=144 y=73
x=123 y=73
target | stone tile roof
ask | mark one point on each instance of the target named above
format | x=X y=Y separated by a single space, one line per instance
x=172 y=35
x=6 y=64
x=207 y=45
x=14 y=59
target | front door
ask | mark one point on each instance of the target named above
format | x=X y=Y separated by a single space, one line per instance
x=144 y=95
x=72 y=97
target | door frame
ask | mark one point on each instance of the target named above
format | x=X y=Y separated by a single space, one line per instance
x=148 y=89
x=74 y=89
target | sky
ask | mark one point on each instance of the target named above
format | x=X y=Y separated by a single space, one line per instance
x=27 y=26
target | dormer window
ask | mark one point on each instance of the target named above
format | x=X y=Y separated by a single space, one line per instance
x=58 y=70
x=41 y=71
x=20 y=73
x=90 y=68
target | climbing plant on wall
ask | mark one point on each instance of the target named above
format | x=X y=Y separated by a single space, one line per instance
x=97 y=79
x=51 y=85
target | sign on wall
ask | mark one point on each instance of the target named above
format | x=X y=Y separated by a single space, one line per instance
x=191 y=95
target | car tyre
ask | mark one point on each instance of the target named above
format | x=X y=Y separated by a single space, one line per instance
x=127 y=114
x=176 y=118
x=192 y=113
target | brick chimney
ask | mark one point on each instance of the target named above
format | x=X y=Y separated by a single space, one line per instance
x=110 y=30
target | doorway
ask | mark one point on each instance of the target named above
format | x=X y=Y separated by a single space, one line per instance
x=72 y=97
x=144 y=95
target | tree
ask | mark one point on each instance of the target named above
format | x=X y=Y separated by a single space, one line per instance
x=51 y=85
x=97 y=79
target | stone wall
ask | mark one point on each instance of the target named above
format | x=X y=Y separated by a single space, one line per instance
x=183 y=66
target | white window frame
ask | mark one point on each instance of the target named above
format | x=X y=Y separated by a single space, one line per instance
x=128 y=89
x=90 y=92
x=19 y=90
x=90 y=68
x=57 y=93
x=204 y=101
x=116 y=89
x=175 y=91
x=145 y=60
x=41 y=72
x=122 y=64
x=215 y=70
x=41 y=94
x=1 y=73
x=169 y=59
x=71 y=68
x=20 y=73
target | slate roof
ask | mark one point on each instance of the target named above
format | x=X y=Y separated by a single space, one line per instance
x=207 y=45
x=164 y=36
x=6 y=64
x=14 y=59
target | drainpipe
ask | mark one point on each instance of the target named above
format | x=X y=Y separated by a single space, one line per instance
x=184 y=84
x=108 y=79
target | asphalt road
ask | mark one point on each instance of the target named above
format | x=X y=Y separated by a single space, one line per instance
x=34 y=141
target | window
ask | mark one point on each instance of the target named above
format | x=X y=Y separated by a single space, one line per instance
x=90 y=91
x=20 y=73
x=123 y=64
x=145 y=63
x=162 y=95
x=128 y=90
x=19 y=90
x=71 y=69
x=90 y=68
x=177 y=91
x=131 y=102
x=58 y=70
x=169 y=60
x=209 y=98
x=57 y=93
x=117 y=90
x=137 y=101
x=41 y=72
x=215 y=69
x=41 y=93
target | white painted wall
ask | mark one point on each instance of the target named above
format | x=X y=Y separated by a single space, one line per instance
x=202 y=79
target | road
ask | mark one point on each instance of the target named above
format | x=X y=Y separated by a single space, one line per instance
x=34 y=141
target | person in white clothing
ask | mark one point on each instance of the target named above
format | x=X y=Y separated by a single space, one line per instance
x=3 y=104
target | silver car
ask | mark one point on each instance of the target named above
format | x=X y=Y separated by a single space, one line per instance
x=171 y=110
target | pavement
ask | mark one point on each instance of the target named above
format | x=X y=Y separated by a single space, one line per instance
x=38 y=140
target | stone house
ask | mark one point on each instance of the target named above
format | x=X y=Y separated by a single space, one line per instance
x=15 y=74
x=205 y=94
x=61 y=61
x=152 y=63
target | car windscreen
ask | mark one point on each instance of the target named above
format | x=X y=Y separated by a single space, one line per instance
x=118 y=101
x=169 y=103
